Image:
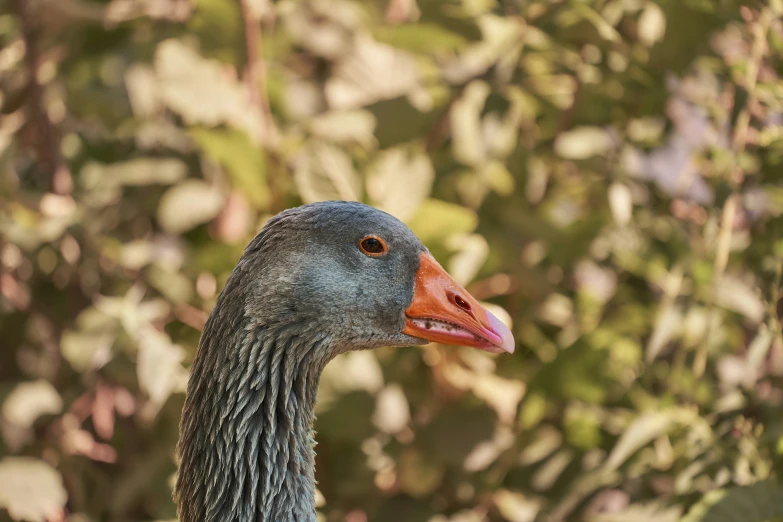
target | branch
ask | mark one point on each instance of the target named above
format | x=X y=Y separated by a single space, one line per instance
x=254 y=74
x=47 y=146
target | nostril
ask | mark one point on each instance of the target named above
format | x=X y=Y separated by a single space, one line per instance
x=462 y=303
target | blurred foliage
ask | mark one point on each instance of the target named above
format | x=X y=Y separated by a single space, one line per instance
x=609 y=172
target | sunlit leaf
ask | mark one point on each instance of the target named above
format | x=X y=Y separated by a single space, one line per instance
x=372 y=72
x=159 y=366
x=202 y=91
x=437 y=219
x=392 y=412
x=86 y=350
x=471 y=253
x=30 y=400
x=354 y=126
x=467 y=140
x=189 y=204
x=324 y=172
x=652 y=24
x=399 y=181
x=583 y=143
x=31 y=490
x=643 y=430
x=516 y=507
x=141 y=171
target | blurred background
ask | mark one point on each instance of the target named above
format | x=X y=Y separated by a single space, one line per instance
x=606 y=174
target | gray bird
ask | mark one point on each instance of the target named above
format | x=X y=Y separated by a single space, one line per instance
x=317 y=281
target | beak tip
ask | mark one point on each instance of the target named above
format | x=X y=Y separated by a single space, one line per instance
x=507 y=342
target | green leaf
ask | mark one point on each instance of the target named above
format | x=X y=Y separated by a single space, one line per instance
x=400 y=122
x=86 y=350
x=760 y=502
x=420 y=38
x=244 y=161
x=437 y=220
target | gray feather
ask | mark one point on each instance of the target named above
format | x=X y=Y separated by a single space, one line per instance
x=301 y=294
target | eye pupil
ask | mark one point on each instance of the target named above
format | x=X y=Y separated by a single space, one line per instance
x=373 y=245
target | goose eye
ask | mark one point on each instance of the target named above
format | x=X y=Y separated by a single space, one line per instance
x=373 y=246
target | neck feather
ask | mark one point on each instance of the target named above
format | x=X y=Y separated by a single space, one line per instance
x=246 y=443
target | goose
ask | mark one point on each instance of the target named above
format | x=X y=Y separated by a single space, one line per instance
x=317 y=281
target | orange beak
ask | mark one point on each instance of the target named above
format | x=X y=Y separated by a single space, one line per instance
x=444 y=312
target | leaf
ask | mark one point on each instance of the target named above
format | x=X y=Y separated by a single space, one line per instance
x=583 y=143
x=324 y=172
x=325 y=29
x=399 y=181
x=621 y=203
x=467 y=139
x=760 y=502
x=136 y=172
x=651 y=512
x=501 y=40
x=421 y=38
x=243 y=160
x=516 y=507
x=598 y=282
x=31 y=490
x=200 y=90
x=174 y=285
x=159 y=366
x=86 y=350
x=472 y=251
x=643 y=430
x=353 y=371
x=400 y=122
x=652 y=24
x=603 y=27
x=392 y=412
x=188 y=204
x=353 y=126
x=371 y=72
x=30 y=400
x=546 y=476
x=735 y=294
x=142 y=87
x=436 y=220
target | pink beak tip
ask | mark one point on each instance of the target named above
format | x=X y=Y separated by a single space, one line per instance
x=506 y=338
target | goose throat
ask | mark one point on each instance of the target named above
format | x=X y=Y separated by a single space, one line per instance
x=247 y=446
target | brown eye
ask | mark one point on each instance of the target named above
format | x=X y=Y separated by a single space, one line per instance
x=373 y=246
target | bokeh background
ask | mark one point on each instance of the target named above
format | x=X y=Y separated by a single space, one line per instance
x=608 y=174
